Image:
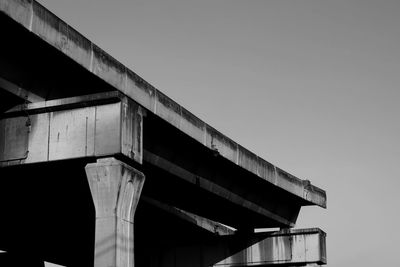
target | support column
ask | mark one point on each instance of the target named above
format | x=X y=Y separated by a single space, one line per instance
x=115 y=188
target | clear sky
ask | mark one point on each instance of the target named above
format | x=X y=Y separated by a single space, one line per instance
x=311 y=86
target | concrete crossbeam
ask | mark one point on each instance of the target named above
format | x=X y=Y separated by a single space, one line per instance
x=212 y=187
x=216 y=189
x=19 y=91
x=115 y=189
x=288 y=247
x=86 y=126
x=206 y=224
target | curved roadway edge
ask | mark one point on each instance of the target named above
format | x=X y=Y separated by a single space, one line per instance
x=67 y=40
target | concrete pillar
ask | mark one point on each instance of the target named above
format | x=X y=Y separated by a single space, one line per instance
x=115 y=188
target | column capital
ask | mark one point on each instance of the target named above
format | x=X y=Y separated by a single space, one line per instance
x=115 y=188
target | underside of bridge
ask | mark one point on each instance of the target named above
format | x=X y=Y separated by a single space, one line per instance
x=99 y=168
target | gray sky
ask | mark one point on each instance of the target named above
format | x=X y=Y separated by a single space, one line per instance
x=311 y=86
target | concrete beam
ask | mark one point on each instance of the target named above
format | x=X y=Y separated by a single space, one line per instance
x=65 y=103
x=115 y=189
x=19 y=91
x=206 y=224
x=45 y=25
x=86 y=126
x=306 y=247
x=214 y=188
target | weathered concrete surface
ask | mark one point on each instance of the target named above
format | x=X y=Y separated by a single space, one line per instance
x=19 y=91
x=184 y=244
x=287 y=247
x=115 y=189
x=198 y=178
x=38 y=20
x=86 y=126
x=217 y=190
x=110 y=124
x=204 y=223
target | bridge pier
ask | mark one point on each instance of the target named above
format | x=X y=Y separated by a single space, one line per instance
x=64 y=102
x=115 y=189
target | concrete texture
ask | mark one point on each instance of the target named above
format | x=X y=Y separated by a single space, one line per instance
x=115 y=189
x=86 y=126
x=198 y=181
x=287 y=247
x=58 y=34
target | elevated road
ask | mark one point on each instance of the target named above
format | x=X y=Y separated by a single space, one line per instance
x=79 y=129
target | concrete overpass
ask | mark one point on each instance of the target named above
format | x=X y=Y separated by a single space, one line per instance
x=99 y=168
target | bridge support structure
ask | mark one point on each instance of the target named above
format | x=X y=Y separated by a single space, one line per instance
x=115 y=188
x=108 y=128
x=112 y=172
